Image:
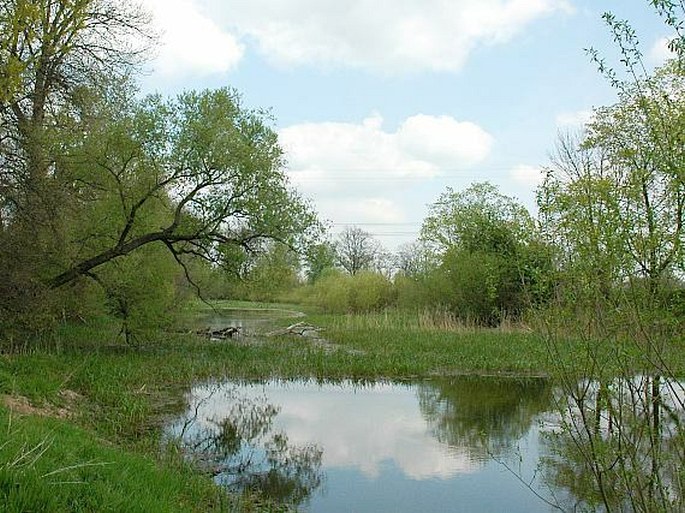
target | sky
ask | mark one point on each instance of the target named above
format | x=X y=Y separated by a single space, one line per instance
x=381 y=105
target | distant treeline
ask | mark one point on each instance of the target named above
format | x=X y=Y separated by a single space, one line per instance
x=115 y=205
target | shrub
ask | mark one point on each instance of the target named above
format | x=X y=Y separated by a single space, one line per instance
x=369 y=292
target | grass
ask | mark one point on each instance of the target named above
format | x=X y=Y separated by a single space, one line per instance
x=53 y=465
x=400 y=344
x=114 y=399
x=106 y=454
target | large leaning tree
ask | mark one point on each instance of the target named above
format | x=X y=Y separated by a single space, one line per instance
x=55 y=58
x=210 y=170
x=90 y=174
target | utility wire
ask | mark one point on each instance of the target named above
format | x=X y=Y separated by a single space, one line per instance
x=375 y=224
x=375 y=174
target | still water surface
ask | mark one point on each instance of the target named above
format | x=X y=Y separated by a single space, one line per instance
x=251 y=320
x=430 y=446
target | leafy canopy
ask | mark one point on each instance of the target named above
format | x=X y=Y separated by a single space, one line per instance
x=479 y=218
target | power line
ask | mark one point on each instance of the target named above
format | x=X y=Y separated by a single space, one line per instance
x=443 y=171
x=375 y=174
x=376 y=224
x=390 y=234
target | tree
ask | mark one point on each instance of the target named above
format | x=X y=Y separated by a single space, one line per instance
x=574 y=202
x=490 y=261
x=95 y=182
x=54 y=56
x=356 y=250
x=212 y=168
x=273 y=272
x=614 y=199
x=643 y=139
x=368 y=291
x=415 y=259
x=51 y=54
x=478 y=218
x=319 y=257
x=15 y=18
x=140 y=291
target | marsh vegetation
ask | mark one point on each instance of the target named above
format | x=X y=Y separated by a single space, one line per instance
x=128 y=224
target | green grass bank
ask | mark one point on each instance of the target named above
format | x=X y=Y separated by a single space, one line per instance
x=80 y=417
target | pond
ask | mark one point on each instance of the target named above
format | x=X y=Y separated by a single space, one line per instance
x=249 y=319
x=460 y=444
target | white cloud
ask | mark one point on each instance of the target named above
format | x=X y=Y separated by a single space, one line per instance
x=443 y=140
x=365 y=210
x=191 y=42
x=355 y=171
x=325 y=157
x=659 y=53
x=387 y=35
x=391 y=429
x=574 y=120
x=387 y=426
x=527 y=175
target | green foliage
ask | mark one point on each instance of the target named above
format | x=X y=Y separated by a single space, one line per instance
x=16 y=19
x=99 y=185
x=331 y=292
x=213 y=282
x=272 y=274
x=141 y=291
x=492 y=264
x=209 y=169
x=52 y=58
x=478 y=218
x=614 y=201
x=479 y=286
x=416 y=260
x=319 y=258
x=369 y=292
x=480 y=257
x=195 y=177
x=339 y=292
x=413 y=293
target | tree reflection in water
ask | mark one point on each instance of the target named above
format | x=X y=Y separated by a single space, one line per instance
x=621 y=445
x=245 y=452
x=488 y=415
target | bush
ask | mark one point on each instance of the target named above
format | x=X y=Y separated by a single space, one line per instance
x=337 y=292
x=332 y=292
x=478 y=286
x=141 y=290
x=369 y=292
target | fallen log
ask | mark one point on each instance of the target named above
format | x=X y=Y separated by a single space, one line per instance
x=221 y=333
x=301 y=329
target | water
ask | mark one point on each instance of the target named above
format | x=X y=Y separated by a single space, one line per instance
x=471 y=444
x=438 y=445
x=249 y=319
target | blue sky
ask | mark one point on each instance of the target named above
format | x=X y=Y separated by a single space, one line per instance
x=382 y=104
